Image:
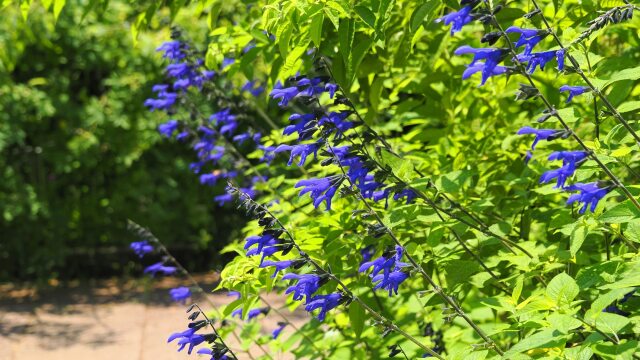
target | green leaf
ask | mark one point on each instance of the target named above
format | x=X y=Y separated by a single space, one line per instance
x=357 y=316
x=315 y=28
x=545 y=339
x=366 y=15
x=611 y=323
x=622 y=351
x=563 y=322
x=562 y=289
x=57 y=8
x=626 y=74
x=621 y=213
x=578 y=235
x=423 y=13
x=629 y=106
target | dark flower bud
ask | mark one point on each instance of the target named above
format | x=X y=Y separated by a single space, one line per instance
x=393 y=350
x=194 y=315
x=531 y=14
x=491 y=37
x=497 y=9
x=526 y=92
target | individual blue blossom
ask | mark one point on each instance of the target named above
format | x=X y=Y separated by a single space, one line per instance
x=234 y=293
x=492 y=57
x=227 y=62
x=215 y=355
x=241 y=138
x=569 y=157
x=562 y=174
x=263 y=240
x=367 y=253
x=589 y=194
x=187 y=333
x=183 y=135
x=311 y=86
x=457 y=19
x=390 y=282
x=211 y=178
x=267 y=153
x=208 y=74
x=409 y=194
x=337 y=121
x=306 y=285
x=251 y=314
x=279 y=265
x=322 y=189
x=164 y=101
x=180 y=294
x=385 y=264
x=560 y=55
x=574 y=90
x=178 y=70
x=325 y=303
x=331 y=88
x=173 y=50
x=529 y=38
x=284 y=94
x=303 y=124
x=275 y=333
x=253 y=87
x=141 y=248
x=541 y=134
x=192 y=341
x=160 y=268
x=539 y=59
x=301 y=150
x=472 y=69
x=167 y=129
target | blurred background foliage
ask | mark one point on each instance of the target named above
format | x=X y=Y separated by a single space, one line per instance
x=79 y=154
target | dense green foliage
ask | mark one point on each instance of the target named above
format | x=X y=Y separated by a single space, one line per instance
x=79 y=152
x=530 y=271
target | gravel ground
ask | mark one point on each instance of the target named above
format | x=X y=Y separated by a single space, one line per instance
x=101 y=320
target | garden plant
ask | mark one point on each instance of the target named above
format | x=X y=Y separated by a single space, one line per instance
x=424 y=178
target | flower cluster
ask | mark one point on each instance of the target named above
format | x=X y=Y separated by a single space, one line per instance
x=323 y=122
x=191 y=338
x=215 y=140
x=304 y=286
x=588 y=194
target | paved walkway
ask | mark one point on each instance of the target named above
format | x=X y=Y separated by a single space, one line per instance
x=106 y=320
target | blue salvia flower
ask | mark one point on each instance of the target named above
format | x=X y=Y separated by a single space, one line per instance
x=164 y=101
x=385 y=264
x=562 y=174
x=214 y=355
x=560 y=54
x=173 y=50
x=141 y=248
x=227 y=62
x=280 y=265
x=241 y=138
x=178 y=70
x=589 y=194
x=253 y=87
x=251 y=314
x=367 y=253
x=325 y=303
x=184 y=334
x=529 y=38
x=574 y=90
x=167 y=129
x=284 y=94
x=472 y=69
x=160 y=268
x=539 y=59
x=234 y=293
x=409 y=194
x=306 y=285
x=331 y=88
x=304 y=125
x=541 y=134
x=180 y=294
x=391 y=282
x=492 y=57
x=192 y=341
x=301 y=150
x=457 y=19
x=570 y=161
x=275 y=333
x=322 y=189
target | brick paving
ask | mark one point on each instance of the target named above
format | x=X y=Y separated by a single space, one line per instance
x=105 y=320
